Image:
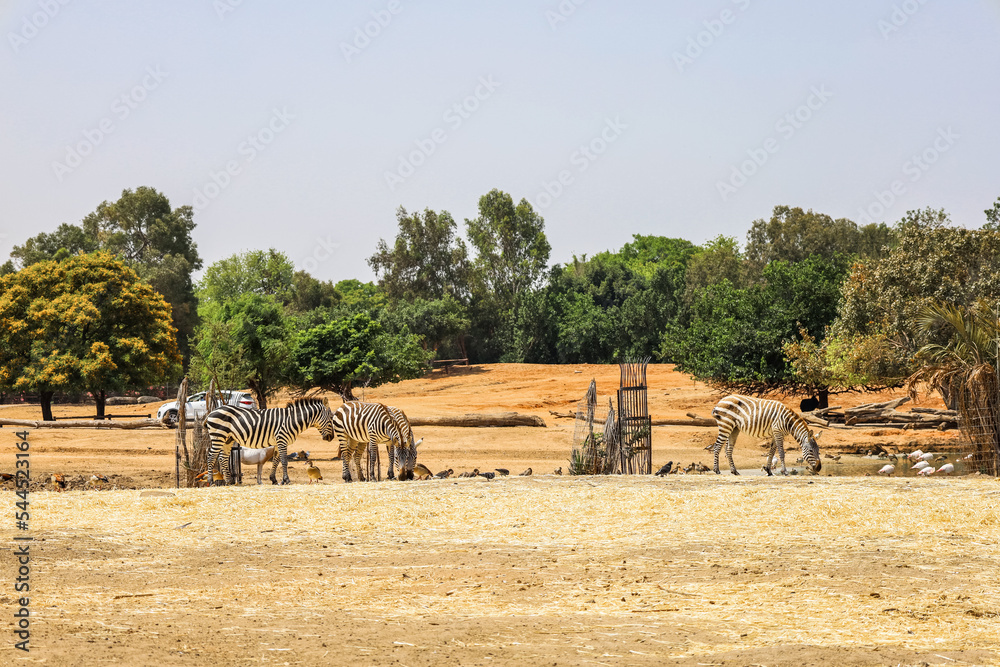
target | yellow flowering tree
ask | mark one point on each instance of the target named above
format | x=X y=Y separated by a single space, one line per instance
x=84 y=323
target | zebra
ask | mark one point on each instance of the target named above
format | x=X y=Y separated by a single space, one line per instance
x=356 y=423
x=762 y=418
x=409 y=451
x=257 y=429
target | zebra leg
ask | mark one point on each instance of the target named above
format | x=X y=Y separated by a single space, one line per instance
x=780 y=443
x=283 y=453
x=730 y=444
x=388 y=452
x=274 y=470
x=716 y=448
x=770 y=456
x=260 y=471
x=224 y=466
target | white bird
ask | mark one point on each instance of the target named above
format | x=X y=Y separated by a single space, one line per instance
x=947 y=469
x=920 y=465
x=887 y=470
x=926 y=472
x=915 y=455
x=926 y=457
x=968 y=457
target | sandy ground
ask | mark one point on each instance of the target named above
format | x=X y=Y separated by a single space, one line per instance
x=685 y=570
x=141 y=459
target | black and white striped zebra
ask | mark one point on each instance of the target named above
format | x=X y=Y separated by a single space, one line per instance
x=762 y=418
x=407 y=455
x=362 y=427
x=257 y=429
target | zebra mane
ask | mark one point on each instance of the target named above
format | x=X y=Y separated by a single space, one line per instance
x=307 y=400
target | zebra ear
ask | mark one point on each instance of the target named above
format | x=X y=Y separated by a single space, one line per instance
x=417 y=443
x=326 y=401
x=815 y=435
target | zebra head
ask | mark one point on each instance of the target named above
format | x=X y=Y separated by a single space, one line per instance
x=810 y=453
x=324 y=421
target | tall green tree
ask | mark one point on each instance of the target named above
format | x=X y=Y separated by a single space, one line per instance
x=247 y=338
x=264 y=272
x=149 y=236
x=931 y=261
x=356 y=349
x=512 y=253
x=428 y=260
x=792 y=235
x=733 y=337
x=84 y=323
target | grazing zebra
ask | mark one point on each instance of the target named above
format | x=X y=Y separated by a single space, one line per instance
x=357 y=423
x=409 y=451
x=257 y=429
x=762 y=418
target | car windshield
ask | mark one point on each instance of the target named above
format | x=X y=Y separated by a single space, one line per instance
x=196 y=397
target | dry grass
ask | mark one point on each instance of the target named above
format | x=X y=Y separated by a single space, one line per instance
x=830 y=562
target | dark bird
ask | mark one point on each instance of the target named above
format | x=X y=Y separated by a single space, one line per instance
x=503 y=471
x=420 y=470
x=6 y=476
x=526 y=473
x=557 y=471
x=665 y=470
x=58 y=483
x=474 y=473
x=445 y=474
x=487 y=475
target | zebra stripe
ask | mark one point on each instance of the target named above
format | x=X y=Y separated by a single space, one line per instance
x=406 y=454
x=257 y=429
x=408 y=457
x=358 y=423
x=762 y=418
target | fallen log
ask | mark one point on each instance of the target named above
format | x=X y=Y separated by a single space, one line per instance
x=872 y=407
x=693 y=421
x=816 y=420
x=83 y=423
x=478 y=420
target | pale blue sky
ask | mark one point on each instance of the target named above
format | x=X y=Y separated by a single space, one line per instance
x=665 y=135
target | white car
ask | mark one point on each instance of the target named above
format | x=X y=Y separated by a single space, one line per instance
x=196 y=405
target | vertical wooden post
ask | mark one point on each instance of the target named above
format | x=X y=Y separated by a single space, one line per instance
x=181 y=438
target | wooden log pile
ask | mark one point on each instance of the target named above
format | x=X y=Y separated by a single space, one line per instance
x=885 y=415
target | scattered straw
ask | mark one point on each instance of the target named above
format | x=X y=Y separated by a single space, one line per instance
x=818 y=561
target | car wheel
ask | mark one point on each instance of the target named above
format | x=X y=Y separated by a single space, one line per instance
x=170 y=417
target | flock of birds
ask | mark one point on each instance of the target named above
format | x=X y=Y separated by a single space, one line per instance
x=670 y=469
x=924 y=463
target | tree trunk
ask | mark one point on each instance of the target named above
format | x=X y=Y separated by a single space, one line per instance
x=259 y=395
x=346 y=392
x=45 y=398
x=823 y=396
x=100 y=398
